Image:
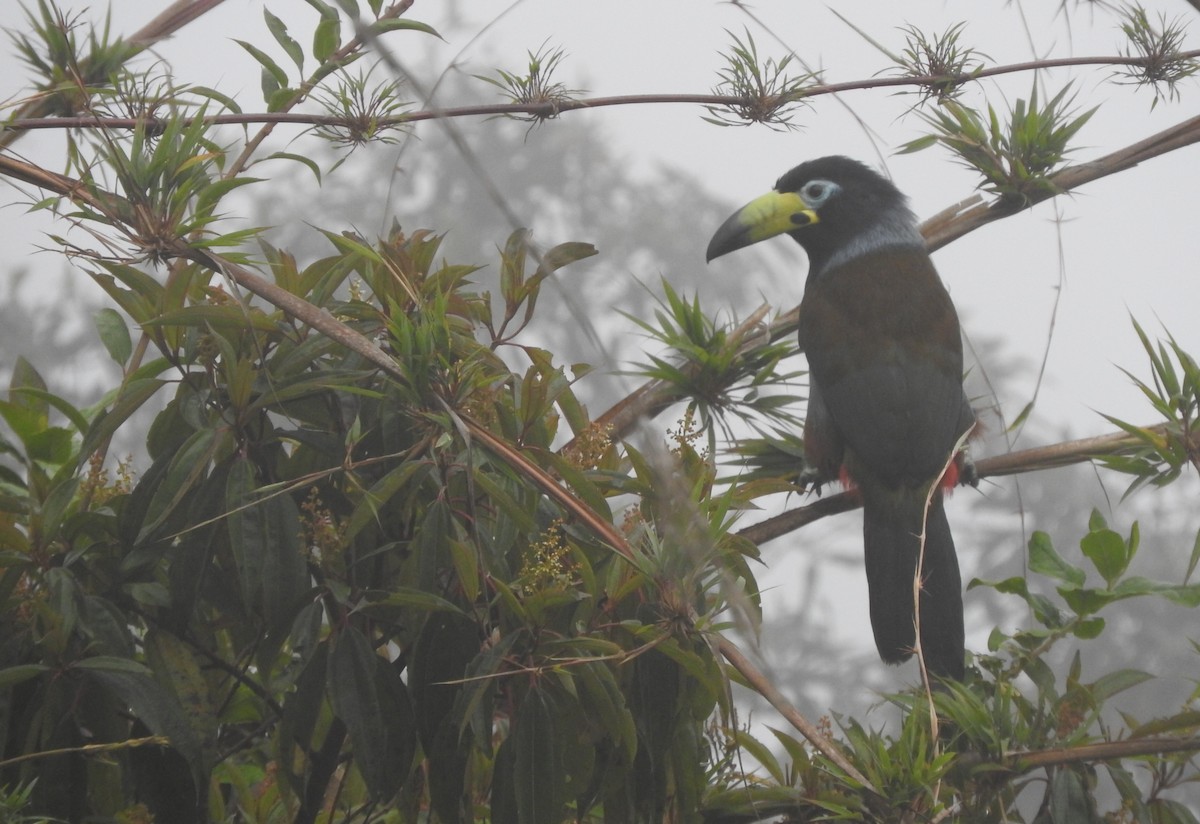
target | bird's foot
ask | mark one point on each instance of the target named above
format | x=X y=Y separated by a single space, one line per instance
x=968 y=474
x=811 y=479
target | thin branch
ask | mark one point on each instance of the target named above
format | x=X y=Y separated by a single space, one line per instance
x=556 y=108
x=1052 y=456
x=173 y=18
x=90 y=749
x=763 y=686
x=1105 y=751
x=948 y=225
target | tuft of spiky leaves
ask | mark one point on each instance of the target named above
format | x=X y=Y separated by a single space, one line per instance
x=1160 y=46
x=365 y=112
x=167 y=184
x=1174 y=392
x=712 y=368
x=942 y=58
x=767 y=92
x=65 y=73
x=1015 y=156
x=536 y=87
x=147 y=96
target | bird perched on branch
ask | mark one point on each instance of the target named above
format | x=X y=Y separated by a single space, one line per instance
x=886 y=407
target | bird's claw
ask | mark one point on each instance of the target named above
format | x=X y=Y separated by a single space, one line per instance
x=811 y=479
x=968 y=473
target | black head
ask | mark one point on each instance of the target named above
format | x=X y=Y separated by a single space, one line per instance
x=834 y=207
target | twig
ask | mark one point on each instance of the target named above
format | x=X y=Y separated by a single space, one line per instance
x=1038 y=458
x=558 y=107
x=1104 y=751
x=763 y=686
x=89 y=749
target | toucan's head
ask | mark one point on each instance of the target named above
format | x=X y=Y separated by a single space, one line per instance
x=834 y=207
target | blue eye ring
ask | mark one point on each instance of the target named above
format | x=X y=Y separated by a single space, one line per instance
x=816 y=192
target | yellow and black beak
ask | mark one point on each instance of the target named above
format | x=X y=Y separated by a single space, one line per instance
x=772 y=214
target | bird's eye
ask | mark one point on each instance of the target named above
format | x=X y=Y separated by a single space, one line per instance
x=816 y=192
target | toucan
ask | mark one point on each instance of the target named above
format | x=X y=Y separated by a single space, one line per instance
x=887 y=414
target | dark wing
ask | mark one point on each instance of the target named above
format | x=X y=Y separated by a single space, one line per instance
x=883 y=344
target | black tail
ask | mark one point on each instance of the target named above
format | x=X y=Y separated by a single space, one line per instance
x=891 y=526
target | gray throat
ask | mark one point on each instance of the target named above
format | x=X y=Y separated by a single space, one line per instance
x=896 y=229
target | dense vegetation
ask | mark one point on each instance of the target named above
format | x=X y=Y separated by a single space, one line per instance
x=378 y=560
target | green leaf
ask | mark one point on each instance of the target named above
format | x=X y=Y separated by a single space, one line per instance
x=222 y=318
x=307 y=161
x=448 y=643
x=302 y=712
x=1107 y=551
x=58 y=503
x=265 y=537
x=52 y=445
x=1108 y=685
x=1186 y=720
x=504 y=798
x=278 y=99
x=114 y=334
x=130 y=400
x=1188 y=596
x=1044 y=560
x=1194 y=559
x=402 y=24
x=602 y=700
x=111 y=663
x=26 y=376
x=1084 y=601
x=1089 y=628
x=406 y=597
x=187 y=467
x=1131 y=793
x=157 y=708
x=762 y=754
x=47 y=399
x=278 y=77
x=1169 y=811
x=327 y=37
x=376 y=712
x=539 y=780
x=279 y=31
x=176 y=668
x=381 y=492
x=21 y=673
x=24 y=422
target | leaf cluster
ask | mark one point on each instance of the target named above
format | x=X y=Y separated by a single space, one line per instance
x=1160 y=47
x=719 y=371
x=359 y=576
x=1175 y=395
x=67 y=71
x=365 y=112
x=943 y=57
x=768 y=93
x=331 y=53
x=1015 y=156
x=1006 y=740
x=323 y=555
x=536 y=86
